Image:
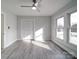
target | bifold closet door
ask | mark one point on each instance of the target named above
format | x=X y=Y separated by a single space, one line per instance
x=26 y=30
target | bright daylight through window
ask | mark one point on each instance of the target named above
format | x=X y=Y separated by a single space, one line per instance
x=60 y=28
x=73 y=28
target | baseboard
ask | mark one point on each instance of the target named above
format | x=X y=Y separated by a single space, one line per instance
x=74 y=57
x=9 y=44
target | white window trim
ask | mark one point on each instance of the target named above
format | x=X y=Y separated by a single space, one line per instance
x=56 y=28
x=70 y=27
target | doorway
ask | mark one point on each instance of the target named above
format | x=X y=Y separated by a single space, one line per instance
x=27 y=30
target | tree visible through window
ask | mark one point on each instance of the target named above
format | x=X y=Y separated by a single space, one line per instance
x=60 y=28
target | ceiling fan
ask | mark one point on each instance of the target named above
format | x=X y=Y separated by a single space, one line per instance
x=34 y=6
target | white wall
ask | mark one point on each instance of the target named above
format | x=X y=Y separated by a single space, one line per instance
x=38 y=23
x=2 y=31
x=10 y=35
x=72 y=49
x=42 y=23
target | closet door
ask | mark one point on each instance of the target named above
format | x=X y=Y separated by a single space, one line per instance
x=26 y=30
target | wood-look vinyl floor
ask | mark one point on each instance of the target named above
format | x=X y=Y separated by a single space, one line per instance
x=33 y=50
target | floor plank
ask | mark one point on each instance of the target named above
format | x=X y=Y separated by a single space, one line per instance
x=33 y=50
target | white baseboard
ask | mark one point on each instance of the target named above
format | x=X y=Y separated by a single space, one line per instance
x=9 y=44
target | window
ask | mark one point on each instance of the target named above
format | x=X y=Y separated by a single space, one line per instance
x=60 y=28
x=73 y=28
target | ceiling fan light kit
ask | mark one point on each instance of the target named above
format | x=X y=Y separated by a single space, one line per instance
x=34 y=8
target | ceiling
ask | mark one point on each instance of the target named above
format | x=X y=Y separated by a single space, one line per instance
x=47 y=7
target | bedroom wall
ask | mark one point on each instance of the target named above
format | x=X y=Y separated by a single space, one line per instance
x=70 y=7
x=39 y=22
x=10 y=35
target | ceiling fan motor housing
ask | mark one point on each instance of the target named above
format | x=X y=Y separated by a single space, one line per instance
x=34 y=1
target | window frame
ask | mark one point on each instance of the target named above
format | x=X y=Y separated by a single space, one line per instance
x=70 y=28
x=63 y=29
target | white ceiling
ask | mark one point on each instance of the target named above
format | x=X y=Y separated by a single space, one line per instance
x=47 y=8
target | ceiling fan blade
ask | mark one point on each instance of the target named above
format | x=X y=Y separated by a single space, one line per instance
x=38 y=9
x=26 y=6
x=38 y=1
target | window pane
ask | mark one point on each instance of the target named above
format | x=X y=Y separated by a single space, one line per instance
x=60 y=28
x=73 y=28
